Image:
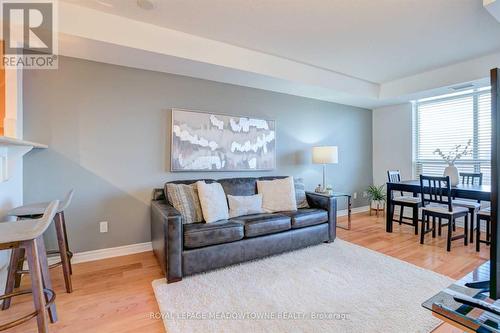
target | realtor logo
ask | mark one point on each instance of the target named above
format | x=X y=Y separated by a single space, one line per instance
x=30 y=39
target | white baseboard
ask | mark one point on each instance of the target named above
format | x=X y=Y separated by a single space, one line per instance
x=107 y=253
x=353 y=210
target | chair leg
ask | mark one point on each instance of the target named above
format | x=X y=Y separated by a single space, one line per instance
x=36 y=284
x=415 y=219
x=20 y=264
x=391 y=212
x=478 y=234
x=488 y=231
x=422 y=229
x=433 y=227
x=472 y=220
x=47 y=283
x=448 y=240
x=440 y=225
x=66 y=240
x=401 y=213
x=63 y=252
x=466 y=229
x=454 y=226
x=15 y=256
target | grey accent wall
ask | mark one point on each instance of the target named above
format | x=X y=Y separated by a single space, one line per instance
x=108 y=131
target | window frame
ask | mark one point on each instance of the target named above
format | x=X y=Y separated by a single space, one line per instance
x=475 y=93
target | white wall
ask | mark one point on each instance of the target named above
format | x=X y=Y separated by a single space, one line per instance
x=392 y=141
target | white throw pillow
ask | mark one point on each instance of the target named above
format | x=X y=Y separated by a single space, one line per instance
x=277 y=195
x=213 y=201
x=244 y=205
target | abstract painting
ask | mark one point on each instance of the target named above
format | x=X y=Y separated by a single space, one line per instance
x=213 y=142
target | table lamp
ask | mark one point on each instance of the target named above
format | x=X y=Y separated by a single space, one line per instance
x=325 y=155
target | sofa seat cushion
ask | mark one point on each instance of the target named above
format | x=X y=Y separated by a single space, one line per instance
x=307 y=217
x=263 y=224
x=204 y=234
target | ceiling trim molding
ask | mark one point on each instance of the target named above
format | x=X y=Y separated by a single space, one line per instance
x=471 y=71
x=116 y=30
x=122 y=41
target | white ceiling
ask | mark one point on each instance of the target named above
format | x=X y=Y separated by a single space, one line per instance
x=377 y=41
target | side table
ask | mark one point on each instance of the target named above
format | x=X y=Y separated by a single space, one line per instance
x=349 y=206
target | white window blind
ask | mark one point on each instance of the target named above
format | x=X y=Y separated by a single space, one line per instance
x=446 y=121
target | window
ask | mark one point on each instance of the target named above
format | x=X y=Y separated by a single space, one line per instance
x=446 y=121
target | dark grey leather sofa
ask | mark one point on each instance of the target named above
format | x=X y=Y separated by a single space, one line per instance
x=193 y=248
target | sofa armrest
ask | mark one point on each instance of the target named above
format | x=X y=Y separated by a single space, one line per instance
x=166 y=237
x=328 y=203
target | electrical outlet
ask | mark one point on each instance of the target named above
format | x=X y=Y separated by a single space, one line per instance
x=355 y=195
x=365 y=194
x=103 y=226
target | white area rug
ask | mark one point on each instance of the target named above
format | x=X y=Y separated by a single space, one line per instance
x=337 y=287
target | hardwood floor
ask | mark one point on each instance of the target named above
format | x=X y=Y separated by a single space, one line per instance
x=115 y=295
x=111 y=295
x=370 y=232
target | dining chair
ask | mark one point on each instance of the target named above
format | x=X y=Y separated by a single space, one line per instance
x=483 y=215
x=470 y=178
x=414 y=203
x=437 y=203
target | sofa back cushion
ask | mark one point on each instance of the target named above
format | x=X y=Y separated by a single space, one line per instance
x=233 y=186
x=239 y=186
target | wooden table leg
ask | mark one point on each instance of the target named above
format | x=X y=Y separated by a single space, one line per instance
x=390 y=207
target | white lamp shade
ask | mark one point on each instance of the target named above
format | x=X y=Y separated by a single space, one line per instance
x=325 y=155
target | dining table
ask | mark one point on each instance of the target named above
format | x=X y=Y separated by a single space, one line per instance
x=462 y=191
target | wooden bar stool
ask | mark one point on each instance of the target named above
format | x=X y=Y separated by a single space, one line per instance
x=29 y=236
x=483 y=215
x=35 y=210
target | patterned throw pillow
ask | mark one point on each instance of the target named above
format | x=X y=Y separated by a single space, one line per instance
x=185 y=199
x=300 y=193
